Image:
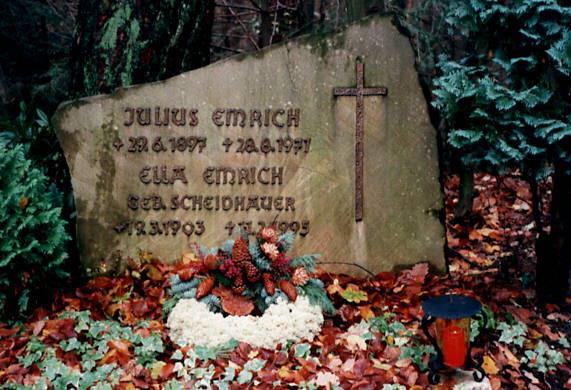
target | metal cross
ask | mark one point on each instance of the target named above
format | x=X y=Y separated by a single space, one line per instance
x=359 y=92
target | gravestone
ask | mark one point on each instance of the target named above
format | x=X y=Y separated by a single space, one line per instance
x=326 y=136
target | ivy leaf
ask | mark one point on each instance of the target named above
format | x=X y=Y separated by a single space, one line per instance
x=51 y=368
x=173 y=384
x=254 y=365
x=205 y=353
x=70 y=345
x=543 y=358
x=302 y=350
x=177 y=355
x=512 y=334
x=353 y=294
x=245 y=377
x=229 y=374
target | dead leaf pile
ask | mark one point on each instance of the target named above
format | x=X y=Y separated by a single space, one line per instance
x=373 y=339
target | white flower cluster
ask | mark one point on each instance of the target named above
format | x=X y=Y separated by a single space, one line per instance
x=191 y=323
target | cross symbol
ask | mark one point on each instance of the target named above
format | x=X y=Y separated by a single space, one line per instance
x=359 y=92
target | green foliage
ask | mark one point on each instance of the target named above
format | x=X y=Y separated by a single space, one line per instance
x=212 y=301
x=62 y=376
x=305 y=261
x=353 y=295
x=178 y=287
x=512 y=334
x=210 y=353
x=91 y=344
x=543 y=358
x=285 y=242
x=93 y=337
x=477 y=325
x=505 y=97
x=315 y=292
x=121 y=43
x=34 y=352
x=394 y=332
x=263 y=300
x=265 y=260
x=32 y=232
x=121 y=20
x=32 y=129
x=302 y=350
x=227 y=246
x=224 y=382
x=187 y=290
x=259 y=259
x=24 y=129
x=254 y=365
x=386 y=325
x=148 y=348
x=174 y=384
x=417 y=353
x=188 y=294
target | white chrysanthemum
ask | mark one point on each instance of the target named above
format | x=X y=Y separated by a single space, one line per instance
x=191 y=322
x=271 y=250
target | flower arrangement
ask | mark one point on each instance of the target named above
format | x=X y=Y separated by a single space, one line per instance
x=192 y=323
x=243 y=277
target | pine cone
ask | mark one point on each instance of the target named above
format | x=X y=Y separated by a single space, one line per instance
x=211 y=262
x=252 y=273
x=281 y=265
x=269 y=284
x=240 y=251
x=238 y=285
x=205 y=287
x=229 y=269
x=300 y=276
x=288 y=289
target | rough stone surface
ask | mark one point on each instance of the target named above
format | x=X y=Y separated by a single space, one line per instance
x=402 y=195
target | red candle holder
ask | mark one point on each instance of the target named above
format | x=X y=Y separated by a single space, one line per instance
x=449 y=317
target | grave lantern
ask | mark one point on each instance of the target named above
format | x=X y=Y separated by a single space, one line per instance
x=446 y=323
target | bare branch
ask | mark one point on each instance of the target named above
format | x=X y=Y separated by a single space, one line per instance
x=237 y=7
x=252 y=40
x=228 y=48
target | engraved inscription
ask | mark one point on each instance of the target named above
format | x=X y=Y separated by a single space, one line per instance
x=162 y=174
x=160 y=116
x=164 y=228
x=155 y=122
x=237 y=117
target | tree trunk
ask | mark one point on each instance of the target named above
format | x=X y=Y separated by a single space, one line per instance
x=306 y=16
x=266 y=27
x=121 y=43
x=466 y=194
x=358 y=9
x=554 y=248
